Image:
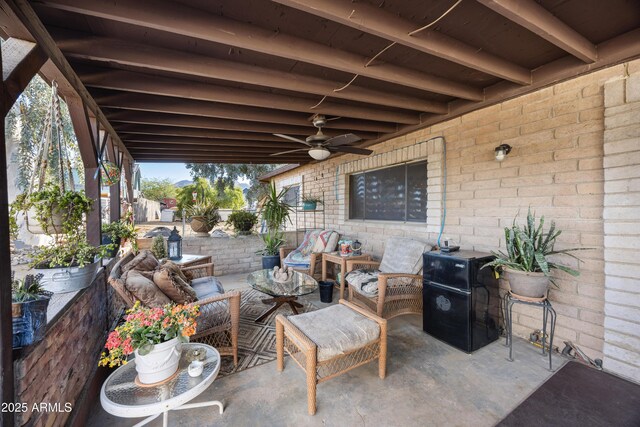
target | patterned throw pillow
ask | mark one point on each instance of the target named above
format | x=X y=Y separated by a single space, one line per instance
x=174 y=286
x=144 y=289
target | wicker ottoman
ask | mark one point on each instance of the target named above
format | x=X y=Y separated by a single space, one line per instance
x=331 y=341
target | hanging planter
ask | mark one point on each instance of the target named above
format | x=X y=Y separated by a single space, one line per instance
x=110 y=173
x=53 y=225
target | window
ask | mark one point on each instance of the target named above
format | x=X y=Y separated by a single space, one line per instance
x=398 y=193
x=291 y=196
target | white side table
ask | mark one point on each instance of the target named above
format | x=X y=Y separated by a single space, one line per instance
x=121 y=396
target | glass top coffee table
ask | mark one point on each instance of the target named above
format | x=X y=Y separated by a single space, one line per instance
x=282 y=293
x=123 y=397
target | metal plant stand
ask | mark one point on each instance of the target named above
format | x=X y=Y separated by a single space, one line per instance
x=547 y=313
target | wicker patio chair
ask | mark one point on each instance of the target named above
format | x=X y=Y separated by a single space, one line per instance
x=312 y=263
x=219 y=319
x=392 y=286
x=312 y=342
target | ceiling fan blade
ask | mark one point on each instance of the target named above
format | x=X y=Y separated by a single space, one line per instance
x=347 y=138
x=287 y=152
x=292 y=138
x=354 y=150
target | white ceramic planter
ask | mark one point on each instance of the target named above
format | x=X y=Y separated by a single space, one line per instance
x=34 y=227
x=160 y=363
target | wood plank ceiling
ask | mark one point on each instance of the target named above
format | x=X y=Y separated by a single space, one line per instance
x=212 y=81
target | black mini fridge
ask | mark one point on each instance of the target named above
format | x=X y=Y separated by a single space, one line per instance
x=461 y=301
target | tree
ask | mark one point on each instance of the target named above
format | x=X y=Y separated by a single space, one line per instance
x=158 y=189
x=231 y=198
x=225 y=175
x=205 y=194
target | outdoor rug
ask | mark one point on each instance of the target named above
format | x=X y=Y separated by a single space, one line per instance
x=256 y=341
x=579 y=396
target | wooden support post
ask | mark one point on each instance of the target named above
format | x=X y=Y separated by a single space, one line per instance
x=24 y=60
x=87 y=143
x=128 y=176
x=6 y=328
x=114 y=194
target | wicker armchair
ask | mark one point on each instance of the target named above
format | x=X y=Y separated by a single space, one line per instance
x=219 y=319
x=397 y=292
x=311 y=239
x=315 y=261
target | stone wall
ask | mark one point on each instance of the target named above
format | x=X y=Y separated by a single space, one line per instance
x=231 y=255
x=622 y=226
x=556 y=167
x=56 y=370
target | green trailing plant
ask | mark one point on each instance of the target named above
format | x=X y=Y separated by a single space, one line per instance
x=75 y=252
x=120 y=230
x=311 y=199
x=158 y=248
x=272 y=242
x=207 y=211
x=529 y=246
x=28 y=289
x=49 y=202
x=242 y=221
x=275 y=212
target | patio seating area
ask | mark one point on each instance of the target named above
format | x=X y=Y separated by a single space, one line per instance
x=402 y=212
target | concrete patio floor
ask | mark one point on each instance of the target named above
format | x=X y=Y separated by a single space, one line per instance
x=428 y=383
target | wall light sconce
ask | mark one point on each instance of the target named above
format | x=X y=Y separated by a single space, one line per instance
x=502 y=151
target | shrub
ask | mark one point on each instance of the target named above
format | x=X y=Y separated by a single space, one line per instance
x=243 y=221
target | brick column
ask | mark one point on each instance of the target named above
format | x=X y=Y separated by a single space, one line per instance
x=622 y=226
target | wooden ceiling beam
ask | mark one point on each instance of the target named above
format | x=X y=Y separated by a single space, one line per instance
x=146 y=118
x=238 y=158
x=144 y=131
x=111 y=50
x=182 y=20
x=152 y=140
x=21 y=60
x=375 y=20
x=167 y=104
x=21 y=11
x=114 y=79
x=540 y=21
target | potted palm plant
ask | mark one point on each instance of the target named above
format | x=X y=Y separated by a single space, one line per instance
x=275 y=212
x=271 y=251
x=204 y=216
x=525 y=264
x=29 y=303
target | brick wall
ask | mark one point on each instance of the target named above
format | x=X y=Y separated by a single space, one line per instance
x=622 y=225
x=56 y=369
x=556 y=167
x=231 y=255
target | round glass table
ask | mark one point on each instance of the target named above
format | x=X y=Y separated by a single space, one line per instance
x=281 y=293
x=121 y=396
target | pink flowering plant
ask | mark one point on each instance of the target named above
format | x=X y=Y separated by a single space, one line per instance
x=144 y=327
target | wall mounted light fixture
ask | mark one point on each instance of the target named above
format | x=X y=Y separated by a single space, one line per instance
x=502 y=151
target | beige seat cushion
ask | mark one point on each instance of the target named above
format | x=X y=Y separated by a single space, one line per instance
x=336 y=330
x=144 y=289
x=144 y=261
x=174 y=286
x=403 y=255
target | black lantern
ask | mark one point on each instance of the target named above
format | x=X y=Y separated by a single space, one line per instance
x=174 y=245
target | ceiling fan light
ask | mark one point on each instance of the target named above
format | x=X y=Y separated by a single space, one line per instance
x=319 y=153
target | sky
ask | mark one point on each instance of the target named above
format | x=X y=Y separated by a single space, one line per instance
x=174 y=171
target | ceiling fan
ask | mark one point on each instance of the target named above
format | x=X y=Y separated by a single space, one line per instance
x=320 y=146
